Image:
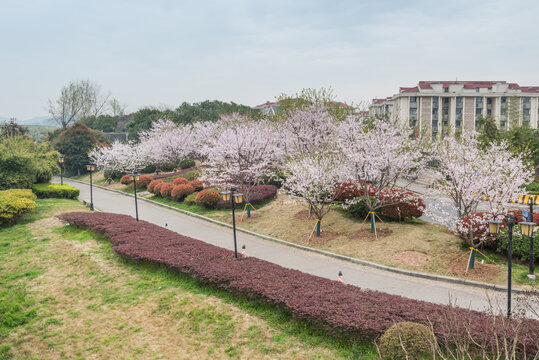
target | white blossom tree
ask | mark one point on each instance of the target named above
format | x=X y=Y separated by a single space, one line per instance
x=470 y=176
x=314 y=178
x=376 y=154
x=120 y=157
x=239 y=153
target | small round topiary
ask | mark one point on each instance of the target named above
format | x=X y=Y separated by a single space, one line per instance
x=180 y=180
x=208 y=198
x=166 y=189
x=179 y=192
x=125 y=179
x=187 y=163
x=407 y=340
x=152 y=184
x=197 y=185
x=144 y=181
x=157 y=188
x=191 y=199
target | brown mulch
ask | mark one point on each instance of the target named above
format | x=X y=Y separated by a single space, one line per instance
x=480 y=272
x=411 y=257
x=304 y=215
x=367 y=235
x=324 y=237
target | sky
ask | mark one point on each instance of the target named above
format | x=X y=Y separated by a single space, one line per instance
x=161 y=53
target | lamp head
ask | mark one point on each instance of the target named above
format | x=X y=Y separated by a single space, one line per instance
x=494 y=226
x=526 y=228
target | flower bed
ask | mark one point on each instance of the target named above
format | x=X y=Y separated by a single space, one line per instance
x=259 y=193
x=337 y=307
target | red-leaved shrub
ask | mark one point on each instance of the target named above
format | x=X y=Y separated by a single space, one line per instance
x=337 y=307
x=157 y=188
x=350 y=190
x=474 y=229
x=197 y=185
x=125 y=179
x=401 y=204
x=152 y=184
x=180 y=180
x=165 y=189
x=208 y=198
x=144 y=181
x=179 y=192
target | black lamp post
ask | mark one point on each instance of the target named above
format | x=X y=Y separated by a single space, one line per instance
x=234 y=198
x=526 y=229
x=61 y=161
x=91 y=168
x=135 y=177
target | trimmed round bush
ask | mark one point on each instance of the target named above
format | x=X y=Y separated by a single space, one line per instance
x=166 y=189
x=197 y=185
x=179 y=192
x=351 y=190
x=191 y=199
x=407 y=340
x=125 y=179
x=208 y=198
x=187 y=163
x=151 y=185
x=180 y=180
x=359 y=209
x=401 y=204
x=157 y=188
x=44 y=191
x=144 y=181
x=14 y=203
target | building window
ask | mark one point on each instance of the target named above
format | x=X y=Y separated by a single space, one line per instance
x=435 y=101
x=459 y=111
x=413 y=111
x=489 y=101
x=489 y=111
x=476 y=89
x=502 y=111
x=503 y=100
x=457 y=123
x=459 y=100
x=446 y=100
x=446 y=89
x=413 y=99
x=526 y=111
x=526 y=100
x=478 y=111
x=479 y=100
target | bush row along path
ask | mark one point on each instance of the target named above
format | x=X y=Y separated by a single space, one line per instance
x=308 y=262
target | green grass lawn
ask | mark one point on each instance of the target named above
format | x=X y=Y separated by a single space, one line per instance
x=65 y=294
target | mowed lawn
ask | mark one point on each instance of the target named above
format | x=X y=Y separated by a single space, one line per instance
x=65 y=294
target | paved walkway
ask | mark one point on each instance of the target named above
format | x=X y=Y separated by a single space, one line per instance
x=316 y=264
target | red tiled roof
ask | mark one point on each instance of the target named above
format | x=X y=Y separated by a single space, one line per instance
x=469 y=85
x=409 y=89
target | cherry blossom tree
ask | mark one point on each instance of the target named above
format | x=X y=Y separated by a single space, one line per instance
x=470 y=177
x=376 y=154
x=239 y=153
x=314 y=178
x=120 y=157
x=306 y=130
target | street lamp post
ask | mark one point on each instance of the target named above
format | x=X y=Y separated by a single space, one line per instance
x=135 y=177
x=234 y=198
x=531 y=274
x=91 y=168
x=526 y=229
x=61 y=161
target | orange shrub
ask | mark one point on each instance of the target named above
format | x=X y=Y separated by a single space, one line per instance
x=180 y=180
x=166 y=189
x=152 y=184
x=197 y=185
x=144 y=181
x=208 y=198
x=179 y=192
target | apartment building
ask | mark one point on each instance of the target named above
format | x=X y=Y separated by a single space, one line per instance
x=456 y=105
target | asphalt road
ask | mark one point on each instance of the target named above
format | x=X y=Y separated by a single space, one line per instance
x=308 y=262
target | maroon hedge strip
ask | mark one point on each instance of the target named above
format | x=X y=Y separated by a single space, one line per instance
x=338 y=308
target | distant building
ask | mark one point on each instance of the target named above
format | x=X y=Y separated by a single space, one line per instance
x=122 y=137
x=457 y=105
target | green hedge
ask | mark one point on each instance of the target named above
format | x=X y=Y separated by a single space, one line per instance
x=44 y=191
x=14 y=203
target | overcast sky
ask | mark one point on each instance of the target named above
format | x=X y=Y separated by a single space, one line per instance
x=161 y=53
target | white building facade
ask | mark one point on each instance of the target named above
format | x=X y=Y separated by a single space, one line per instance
x=456 y=105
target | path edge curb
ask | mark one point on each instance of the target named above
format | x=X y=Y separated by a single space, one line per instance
x=441 y=278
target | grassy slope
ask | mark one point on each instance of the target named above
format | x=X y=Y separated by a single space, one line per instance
x=69 y=296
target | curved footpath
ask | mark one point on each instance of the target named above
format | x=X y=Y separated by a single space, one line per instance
x=366 y=277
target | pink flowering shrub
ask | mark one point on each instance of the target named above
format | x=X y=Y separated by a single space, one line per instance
x=338 y=308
